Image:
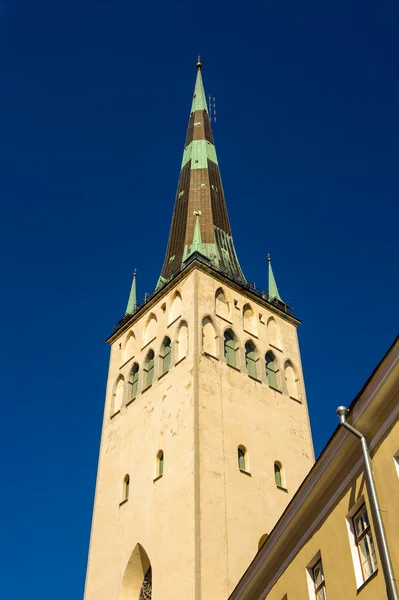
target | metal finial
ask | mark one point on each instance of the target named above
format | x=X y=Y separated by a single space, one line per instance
x=199 y=63
x=134 y=272
x=268 y=257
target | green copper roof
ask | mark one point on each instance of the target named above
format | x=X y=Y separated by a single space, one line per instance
x=273 y=290
x=199 y=151
x=132 y=303
x=199 y=98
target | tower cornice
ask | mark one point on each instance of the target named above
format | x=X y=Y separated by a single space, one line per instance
x=197 y=262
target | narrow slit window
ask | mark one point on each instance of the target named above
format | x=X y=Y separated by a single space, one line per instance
x=278 y=476
x=160 y=463
x=242 y=458
x=126 y=485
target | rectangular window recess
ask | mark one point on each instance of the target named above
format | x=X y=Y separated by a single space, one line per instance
x=123 y=502
x=180 y=360
x=283 y=489
x=157 y=477
x=115 y=413
x=245 y=472
x=146 y=388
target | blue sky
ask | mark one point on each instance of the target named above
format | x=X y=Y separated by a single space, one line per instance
x=95 y=99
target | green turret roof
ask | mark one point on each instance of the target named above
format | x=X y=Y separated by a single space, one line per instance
x=200 y=192
x=132 y=303
x=273 y=290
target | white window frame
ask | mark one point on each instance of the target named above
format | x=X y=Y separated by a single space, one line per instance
x=309 y=576
x=396 y=462
x=360 y=580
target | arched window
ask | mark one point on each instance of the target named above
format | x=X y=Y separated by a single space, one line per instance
x=273 y=333
x=249 y=321
x=221 y=305
x=117 y=396
x=136 y=582
x=271 y=370
x=150 y=329
x=242 y=458
x=209 y=337
x=134 y=381
x=126 y=484
x=250 y=358
x=160 y=464
x=230 y=348
x=149 y=368
x=165 y=355
x=278 y=474
x=292 y=381
x=182 y=341
x=129 y=346
x=176 y=307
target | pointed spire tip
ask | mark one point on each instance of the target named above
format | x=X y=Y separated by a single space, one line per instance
x=199 y=63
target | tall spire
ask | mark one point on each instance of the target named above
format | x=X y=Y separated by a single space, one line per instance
x=200 y=191
x=273 y=290
x=132 y=303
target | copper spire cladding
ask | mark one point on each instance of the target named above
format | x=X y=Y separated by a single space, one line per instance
x=200 y=223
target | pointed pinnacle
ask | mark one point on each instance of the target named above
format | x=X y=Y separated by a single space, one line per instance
x=199 y=63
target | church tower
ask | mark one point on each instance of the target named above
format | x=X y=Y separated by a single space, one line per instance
x=206 y=433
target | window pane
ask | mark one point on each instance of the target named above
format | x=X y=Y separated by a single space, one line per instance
x=135 y=384
x=321 y=594
x=361 y=522
x=318 y=576
x=277 y=475
x=367 y=555
x=241 y=459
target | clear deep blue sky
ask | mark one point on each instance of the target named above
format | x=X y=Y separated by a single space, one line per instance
x=93 y=114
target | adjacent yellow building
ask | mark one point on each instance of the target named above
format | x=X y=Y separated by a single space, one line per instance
x=324 y=544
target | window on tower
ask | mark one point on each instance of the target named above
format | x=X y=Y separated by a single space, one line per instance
x=134 y=381
x=271 y=370
x=149 y=368
x=160 y=464
x=251 y=359
x=279 y=475
x=126 y=484
x=165 y=355
x=292 y=381
x=242 y=459
x=230 y=348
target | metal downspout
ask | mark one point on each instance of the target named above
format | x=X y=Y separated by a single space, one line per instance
x=382 y=543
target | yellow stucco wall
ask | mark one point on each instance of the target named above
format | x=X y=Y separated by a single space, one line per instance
x=331 y=536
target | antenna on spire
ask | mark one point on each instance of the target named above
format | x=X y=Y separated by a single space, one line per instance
x=212 y=108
